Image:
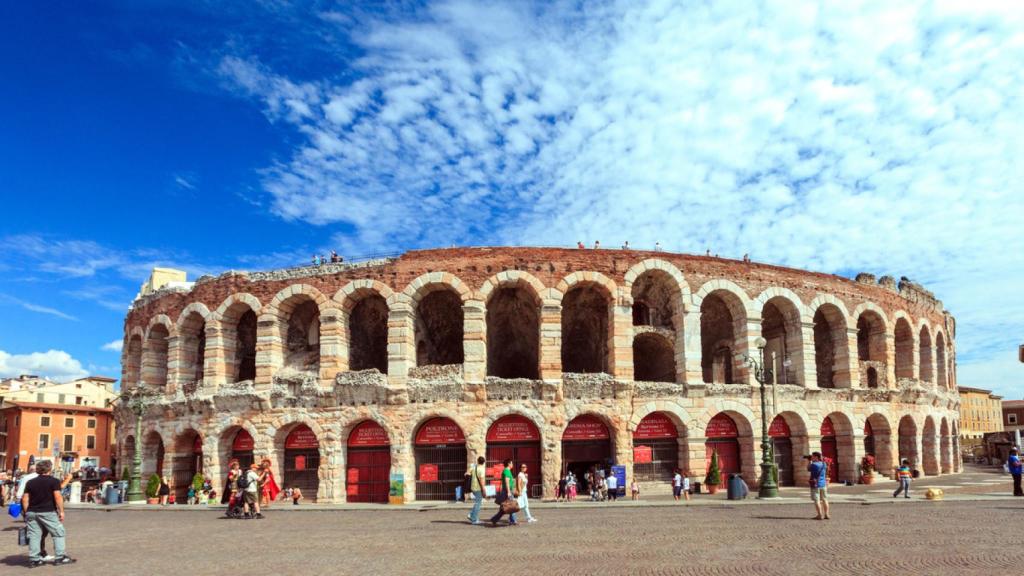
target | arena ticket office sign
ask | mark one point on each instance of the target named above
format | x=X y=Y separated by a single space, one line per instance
x=516 y=437
x=368 y=464
x=440 y=455
x=655 y=448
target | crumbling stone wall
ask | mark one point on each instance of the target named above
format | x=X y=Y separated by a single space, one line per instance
x=439 y=329
x=585 y=330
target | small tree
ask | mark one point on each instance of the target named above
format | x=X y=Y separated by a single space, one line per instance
x=714 y=475
x=153 y=486
x=197 y=482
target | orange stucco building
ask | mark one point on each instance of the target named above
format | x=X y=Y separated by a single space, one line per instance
x=78 y=435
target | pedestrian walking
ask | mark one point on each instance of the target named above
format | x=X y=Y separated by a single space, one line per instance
x=634 y=490
x=570 y=485
x=250 y=486
x=165 y=491
x=43 y=507
x=819 y=486
x=903 y=476
x=1013 y=466
x=677 y=484
x=560 y=491
x=506 y=494
x=477 y=481
x=685 y=486
x=522 y=487
x=612 y=483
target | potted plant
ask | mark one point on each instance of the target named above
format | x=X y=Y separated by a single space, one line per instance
x=867 y=469
x=197 y=482
x=714 y=476
x=153 y=490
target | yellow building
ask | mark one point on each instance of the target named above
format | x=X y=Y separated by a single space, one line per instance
x=981 y=412
x=89 y=391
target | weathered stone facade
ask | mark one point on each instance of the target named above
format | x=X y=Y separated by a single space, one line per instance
x=474 y=334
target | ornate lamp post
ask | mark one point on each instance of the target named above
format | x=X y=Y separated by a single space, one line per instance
x=137 y=401
x=763 y=374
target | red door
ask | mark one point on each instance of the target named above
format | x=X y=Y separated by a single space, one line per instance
x=722 y=439
x=369 y=464
x=830 y=453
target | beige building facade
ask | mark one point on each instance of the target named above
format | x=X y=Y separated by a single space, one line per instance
x=981 y=412
x=95 y=391
x=343 y=375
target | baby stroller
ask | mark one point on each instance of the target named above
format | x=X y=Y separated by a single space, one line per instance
x=235 y=508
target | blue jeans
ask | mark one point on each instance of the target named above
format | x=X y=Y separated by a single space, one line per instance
x=37 y=522
x=478 y=500
x=904 y=487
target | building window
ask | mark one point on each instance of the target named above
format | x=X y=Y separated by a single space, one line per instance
x=78 y=400
x=90 y=442
x=61 y=398
x=40 y=397
x=44 y=421
x=1011 y=418
x=44 y=441
x=17 y=420
x=69 y=422
x=78 y=385
x=69 y=443
x=91 y=423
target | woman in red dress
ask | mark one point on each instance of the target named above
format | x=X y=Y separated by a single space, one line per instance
x=269 y=488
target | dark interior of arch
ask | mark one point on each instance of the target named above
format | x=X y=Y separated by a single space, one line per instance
x=717 y=340
x=773 y=330
x=653 y=300
x=940 y=359
x=870 y=338
x=302 y=343
x=513 y=334
x=157 y=346
x=134 y=360
x=824 y=350
x=245 y=347
x=585 y=330
x=368 y=334
x=925 y=354
x=654 y=359
x=904 y=350
x=872 y=378
x=439 y=329
x=193 y=340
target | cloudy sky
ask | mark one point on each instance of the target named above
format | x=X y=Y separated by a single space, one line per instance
x=880 y=137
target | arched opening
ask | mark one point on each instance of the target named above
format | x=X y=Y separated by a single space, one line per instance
x=655 y=448
x=655 y=300
x=439 y=329
x=192 y=348
x=930 y=447
x=188 y=461
x=241 y=448
x=869 y=440
x=940 y=360
x=829 y=344
x=302 y=335
x=945 y=447
x=908 y=440
x=870 y=347
x=585 y=319
x=239 y=326
x=152 y=456
x=368 y=334
x=133 y=362
x=723 y=438
x=440 y=455
x=513 y=334
x=302 y=461
x=719 y=326
x=925 y=358
x=518 y=438
x=780 y=327
x=782 y=446
x=154 y=372
x=904 y=349
x=830 y=449
x=837 y=443
x=654 y=358
x=367 y=475
x=586 y=446
x=878 y=442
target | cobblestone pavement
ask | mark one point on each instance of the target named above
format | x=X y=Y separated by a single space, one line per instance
x=885 y=537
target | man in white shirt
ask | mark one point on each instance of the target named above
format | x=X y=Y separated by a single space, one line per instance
x=613 y=487
x=250 y=494
x=24 y=480
x=523 y=486
x=677 y=485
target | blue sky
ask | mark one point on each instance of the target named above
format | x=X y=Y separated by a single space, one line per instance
x=862 y=136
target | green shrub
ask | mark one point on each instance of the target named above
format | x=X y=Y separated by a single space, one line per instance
x=153 y=486
x=714 y=476
x=197 y=482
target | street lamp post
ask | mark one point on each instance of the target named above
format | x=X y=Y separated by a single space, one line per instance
x=763 y=374
x=137 y=402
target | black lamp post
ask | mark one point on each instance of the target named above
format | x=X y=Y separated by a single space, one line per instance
x=763 y=374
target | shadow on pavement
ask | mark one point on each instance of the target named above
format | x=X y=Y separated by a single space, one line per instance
x=16 y=560
x=811 y=518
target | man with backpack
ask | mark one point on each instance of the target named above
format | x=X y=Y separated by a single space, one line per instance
x=819 y=485
x=249 y=486
x=477 y=480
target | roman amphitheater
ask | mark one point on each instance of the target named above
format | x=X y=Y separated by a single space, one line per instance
x=344 y=374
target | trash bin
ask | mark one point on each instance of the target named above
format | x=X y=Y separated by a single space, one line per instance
x=112 y=495
x=735 y=487
x=916 y=473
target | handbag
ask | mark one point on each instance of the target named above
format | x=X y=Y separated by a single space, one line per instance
x=23 y=536
x=510 y=505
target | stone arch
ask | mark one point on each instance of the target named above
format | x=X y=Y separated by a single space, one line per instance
x=676 y=412
x=185 y=461
x=872 y=353
x=131 y=359
x=925 y=359
x=880 y=443
x=745 y=421
x=658 y=293
x=905 y=344
x=394 y=436
x=831 y=345
x=654 y=358
x=930 y=447
x=327 y=444
x=638 y=269
x=846 y=460
x=908 y=443
x=512 y=324
x=191 y=348
x=512 y=410
x=155 y=348
x=236 y=318
x=365 y=312
x=782 y=317
x=724 y=310
x=789 y=462
x=153 y=454
x=941 y=374
x=588 y=308
x=296 y=312
x=194 y=307
x=661 y=449
x=945 y=448
x=250 y=302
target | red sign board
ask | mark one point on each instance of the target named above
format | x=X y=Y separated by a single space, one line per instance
x=655 y=425
x=301 y=438
x=243 y=442
x=300 y=462
x=352 y=478
x=440 y=431
x=642 y=455
x=368 y=433
x=586 y=427
x=826 y=427
x=721 y=426
x=779 y=428
x=867 y=429
x=428 y=472
x=513 y=428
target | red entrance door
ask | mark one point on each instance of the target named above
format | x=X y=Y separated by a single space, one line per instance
x=369 y=464
x=440 y=456
x=830 y=449
x=722 y=438
x=514 y=437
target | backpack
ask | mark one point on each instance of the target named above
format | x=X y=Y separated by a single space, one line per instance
x=243 y=481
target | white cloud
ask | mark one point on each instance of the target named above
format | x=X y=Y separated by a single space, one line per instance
x=872 y=136
x=54 y=364
x=113 y=346
x=8 y=299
